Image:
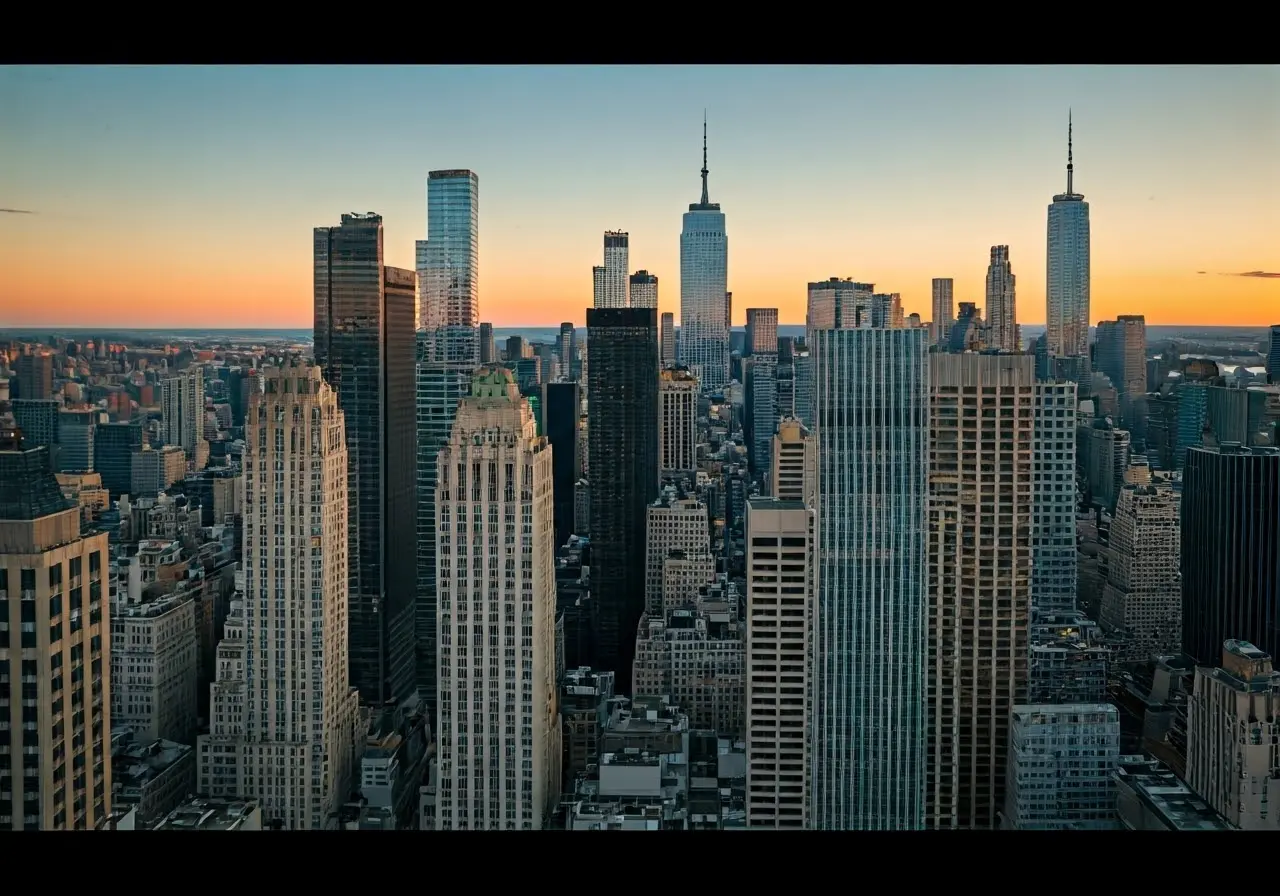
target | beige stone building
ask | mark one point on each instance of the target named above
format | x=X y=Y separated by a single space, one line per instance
x=55 y=653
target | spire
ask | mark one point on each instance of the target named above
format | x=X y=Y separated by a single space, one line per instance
x=1070 y=167
x=706 y=199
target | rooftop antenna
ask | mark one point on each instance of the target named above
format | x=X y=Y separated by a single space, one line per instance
x=1069 y=165
x=706 y=199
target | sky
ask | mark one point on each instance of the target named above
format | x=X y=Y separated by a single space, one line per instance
x=139 y=196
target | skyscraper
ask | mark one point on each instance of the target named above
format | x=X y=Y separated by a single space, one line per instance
x=762 y=331
x=1273 y=356
x=868 y=722
x=284 y=720
x=561 y=404
x=1002 y=317
x=449 y=347
x=980 y=561
x=364 y=346
x=182 y=406
x=1121 y=353
x=449 y=258
x=1067 y=283
x=761 y=409
x=496 y=472
x=55 y=653
x=488 y=345
x=704 y=295
x=780 y=582
x=836 y=304
x=567 y=349
x=944 y=309
x=644 y=290
x=622 y=440
x=677 y=423
x=35 y=376
x=1055 y=566
x=1230 y=549
x=667 y=338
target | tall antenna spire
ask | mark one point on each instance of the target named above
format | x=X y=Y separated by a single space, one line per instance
x=706 y=199
x=1070 y=166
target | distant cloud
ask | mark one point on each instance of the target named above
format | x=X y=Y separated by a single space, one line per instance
x=1265 y=274
x=1202 y=272
x=16 y=211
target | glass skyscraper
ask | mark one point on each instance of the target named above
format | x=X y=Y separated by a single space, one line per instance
x=364 y=346
x=704 y=274
x=871 y=401
x=448 y=352
x=1067 y=283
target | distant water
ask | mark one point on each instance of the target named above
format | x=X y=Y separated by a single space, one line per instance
x=247 y=335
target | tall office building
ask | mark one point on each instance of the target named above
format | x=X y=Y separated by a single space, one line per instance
x=1067 y=272
x=1232 y=729
x=561 y=403
x=451 y=342
x=1142 y=597
x=35 y=376
x=677 y=423
x=980 y=562
x=488 y=345
x=182 y=407
x=1230 y=549
x=886 y=310
x=55 y=653
x=836 y=304
x=567 y=349
x=704 y=291
x=622 y=446
x=802 y=385
x=76 y=431
x=113 y=448
x=1055 y=565
x=1002 y=316
x=760 y=410
x=795 y=463
x=779 y=605
x=495 y=478
x=1273 y=356
x=286 y=736
x=762 y=331
x=667 y=338
x=616 y=264
x=644 y=290
x=364 y=345
x=944 y=309
x=449 y=258
x=1121 y=353
x=868 y=717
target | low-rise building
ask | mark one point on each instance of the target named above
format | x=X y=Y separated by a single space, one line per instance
x=1150 y=797
x=151 y=777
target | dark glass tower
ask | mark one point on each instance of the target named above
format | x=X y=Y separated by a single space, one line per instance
x=364 y=342
x=113 y=447
x=1230 y=549
x=560 y=403
x=622 y=448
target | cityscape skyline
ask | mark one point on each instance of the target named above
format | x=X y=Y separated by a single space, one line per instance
x=1154 y=252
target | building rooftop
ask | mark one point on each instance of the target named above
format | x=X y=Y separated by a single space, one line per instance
x=209 y=815
x=1164 y=794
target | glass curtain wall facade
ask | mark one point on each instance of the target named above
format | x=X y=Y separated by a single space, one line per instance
x=871 y=398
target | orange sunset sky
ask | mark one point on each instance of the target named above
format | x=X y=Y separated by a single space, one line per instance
x=147 y=196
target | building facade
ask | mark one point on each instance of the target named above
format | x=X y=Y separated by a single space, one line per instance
x=295 y=756
x=364 y=345
x=1002 y=302
x=704 y=291
x=55 y=654
x=872 y=423
x=622 y=448
x=677 y=423
x=644 y=290
x=779 y=607
x=944 y=309
x=1067 y=271
x=1062 y=764
x=1231 y=737
x=980 y=567
x=496 y=563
